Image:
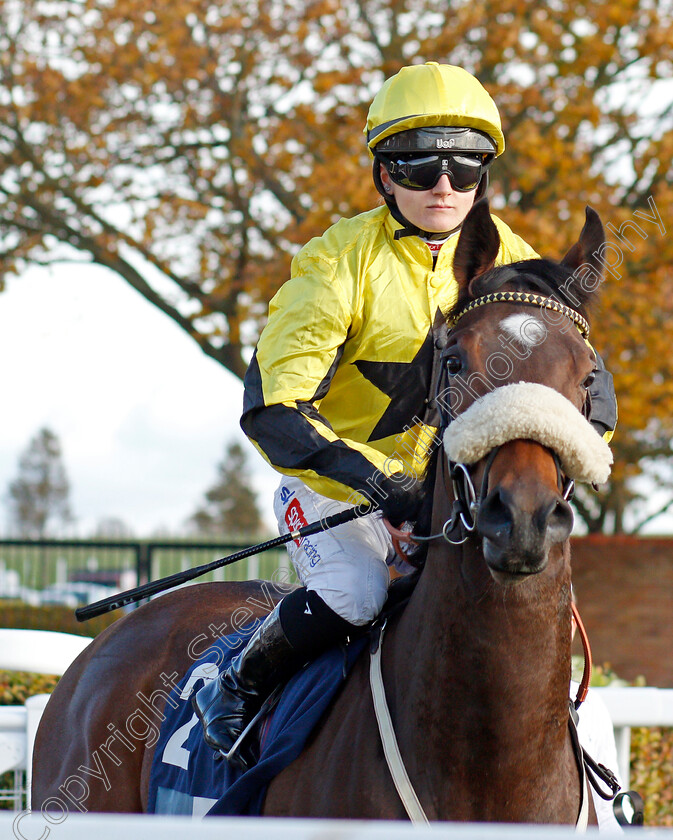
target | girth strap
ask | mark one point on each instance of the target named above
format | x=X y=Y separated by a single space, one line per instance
x=391 y=749
x=393 y=756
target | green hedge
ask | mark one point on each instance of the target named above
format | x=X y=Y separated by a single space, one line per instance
x=17 y=615
x=652 y=773
x=16 y=686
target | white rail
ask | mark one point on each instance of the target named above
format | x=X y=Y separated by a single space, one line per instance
x=109 y=827
x=40 y=652
x=631 y=707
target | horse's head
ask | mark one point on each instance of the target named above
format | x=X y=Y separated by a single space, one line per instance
x=516 y=373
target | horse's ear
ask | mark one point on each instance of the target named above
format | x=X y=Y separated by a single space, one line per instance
x=589 y=247
x=478 y=244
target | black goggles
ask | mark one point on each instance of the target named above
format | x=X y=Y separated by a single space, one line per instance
x=422 y=172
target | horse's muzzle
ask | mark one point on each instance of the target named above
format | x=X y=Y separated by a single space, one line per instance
x=516 y=541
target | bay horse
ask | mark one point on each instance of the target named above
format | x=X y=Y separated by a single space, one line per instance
x=476 y=667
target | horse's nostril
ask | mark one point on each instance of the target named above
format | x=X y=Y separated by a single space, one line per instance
x=495 y=520
x=545 y=515
x=503 y=522
x=560 y=522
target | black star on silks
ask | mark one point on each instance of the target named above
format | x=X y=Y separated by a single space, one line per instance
x=406 y=383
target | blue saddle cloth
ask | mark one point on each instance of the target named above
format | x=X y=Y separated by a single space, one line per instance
x=185 y=777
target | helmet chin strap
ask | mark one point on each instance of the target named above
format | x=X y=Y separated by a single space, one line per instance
x=409 y=229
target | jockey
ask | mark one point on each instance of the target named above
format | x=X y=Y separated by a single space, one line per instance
x=337 y=395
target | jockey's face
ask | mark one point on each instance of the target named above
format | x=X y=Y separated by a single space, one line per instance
x=438 y=209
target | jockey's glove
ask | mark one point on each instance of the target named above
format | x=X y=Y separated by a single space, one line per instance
x=398 y=501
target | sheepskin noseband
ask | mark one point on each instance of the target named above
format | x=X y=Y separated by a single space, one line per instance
x=528 y=411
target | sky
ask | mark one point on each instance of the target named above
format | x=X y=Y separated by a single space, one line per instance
x=143 y=416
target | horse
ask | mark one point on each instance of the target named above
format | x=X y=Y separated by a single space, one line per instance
x=476 y=667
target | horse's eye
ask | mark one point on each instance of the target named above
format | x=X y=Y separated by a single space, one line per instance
x=589 y=381
x=454 y=365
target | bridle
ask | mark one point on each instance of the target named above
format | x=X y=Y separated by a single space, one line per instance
x=541 y=301
x=467 y=501
x=466 y=504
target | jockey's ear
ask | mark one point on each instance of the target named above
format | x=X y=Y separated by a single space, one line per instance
x=478 y=244
x=588 y=249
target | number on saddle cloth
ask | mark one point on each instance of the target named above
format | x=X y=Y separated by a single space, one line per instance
x=185 y=779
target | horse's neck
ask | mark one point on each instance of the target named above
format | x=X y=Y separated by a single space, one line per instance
x=480 y=674
x=511 y=643
x=474 y=633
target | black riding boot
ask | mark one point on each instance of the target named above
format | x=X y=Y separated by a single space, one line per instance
x=298 y=629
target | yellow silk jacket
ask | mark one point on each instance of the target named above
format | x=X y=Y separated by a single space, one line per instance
x=338 y=386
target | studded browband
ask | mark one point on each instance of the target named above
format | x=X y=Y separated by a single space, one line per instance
x=525 y=297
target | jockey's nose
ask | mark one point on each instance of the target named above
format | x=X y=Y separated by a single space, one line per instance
x=443 y=186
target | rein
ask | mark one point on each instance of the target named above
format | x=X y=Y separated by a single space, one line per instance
x=586 y=648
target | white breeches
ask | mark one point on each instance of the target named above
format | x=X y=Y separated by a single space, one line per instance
x=346 y=566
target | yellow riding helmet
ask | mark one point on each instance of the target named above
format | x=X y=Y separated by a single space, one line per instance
x=432 y=94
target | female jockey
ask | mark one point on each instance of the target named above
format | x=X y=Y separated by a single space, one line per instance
x=337 y=396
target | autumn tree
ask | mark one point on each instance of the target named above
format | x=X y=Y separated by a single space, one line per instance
x=230 y=506
x=39 y=496
x=192 y=151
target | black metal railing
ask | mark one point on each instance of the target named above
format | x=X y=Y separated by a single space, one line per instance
x=65 y=571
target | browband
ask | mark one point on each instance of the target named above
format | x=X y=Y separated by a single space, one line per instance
x=525 y=297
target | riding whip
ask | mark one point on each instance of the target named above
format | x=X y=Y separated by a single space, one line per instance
x=114 y=602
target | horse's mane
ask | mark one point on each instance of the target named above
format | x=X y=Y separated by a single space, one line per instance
x=541 y=276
